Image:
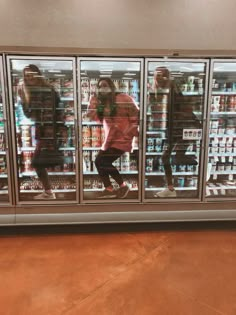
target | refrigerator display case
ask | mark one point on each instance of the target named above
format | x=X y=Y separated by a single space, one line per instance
x=221 y=162
x=5 y=191
x=126 y=75
x=43 y=112
x=176 y=92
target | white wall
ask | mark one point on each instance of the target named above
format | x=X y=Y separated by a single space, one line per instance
x=124 y=24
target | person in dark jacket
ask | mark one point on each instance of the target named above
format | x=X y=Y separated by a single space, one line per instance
x=179 y=117
x=39 y=101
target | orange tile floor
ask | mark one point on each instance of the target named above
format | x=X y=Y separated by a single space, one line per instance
x=154 y=269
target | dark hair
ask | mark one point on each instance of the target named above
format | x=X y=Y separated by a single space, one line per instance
x=111 y=97
x=34 y=69
x=166 y=75
x=25 y=90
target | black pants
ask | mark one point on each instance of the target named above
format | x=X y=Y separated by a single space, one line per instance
x=180 y=148
x=43 y=176
x=105 y=168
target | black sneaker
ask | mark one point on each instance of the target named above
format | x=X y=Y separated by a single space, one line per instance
x=123 y=191
x=106 y=194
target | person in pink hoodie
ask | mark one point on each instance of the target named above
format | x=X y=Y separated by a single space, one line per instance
x=120 y=118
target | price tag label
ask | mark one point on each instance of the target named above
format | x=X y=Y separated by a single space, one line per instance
x=192 y=134
x=222 y=191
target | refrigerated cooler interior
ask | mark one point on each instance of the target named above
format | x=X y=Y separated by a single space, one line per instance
x=61 y=117
x=4 y=192
x=222 y=132
x=175 y=98
x=126 y=78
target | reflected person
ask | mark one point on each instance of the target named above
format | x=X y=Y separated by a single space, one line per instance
x=39 y=101
x=178 y=119
x=119 y=116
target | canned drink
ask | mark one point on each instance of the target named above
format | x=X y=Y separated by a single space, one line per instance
x=26 y=141
x=133 y=165
x=158 y=148
x=228 y=167
x=116 y=83
x=163 y=116
x=189 y=182
x=221 y=167
x=86 y=142
x=93 y=85
x=125 y=157
x=164 y=99
x=84 y=84
x=222 y=150
x=96 y=131
x=163 y=124
x=150 y=141
x=190 y=168
x=180 y=181
x=33 y=134
x=195 y=181
x=96 y=142
x=85 y=96
x=94 y=155
x=25 y=131
x=146 y=182
x=86 y=131
x=124 y=86
x=125 y=166
x=163 y=107
x=182 y=168
x=133 y=85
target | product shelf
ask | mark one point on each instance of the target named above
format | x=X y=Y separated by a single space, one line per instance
x=25 y=174
x=174 y=173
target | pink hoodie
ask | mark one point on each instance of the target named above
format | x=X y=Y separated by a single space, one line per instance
x=120 y=129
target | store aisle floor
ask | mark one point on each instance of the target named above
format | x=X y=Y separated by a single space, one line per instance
x=180 y=270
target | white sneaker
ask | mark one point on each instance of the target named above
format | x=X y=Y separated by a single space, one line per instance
x=123 y=191
x=45 y=195
x=165 y=193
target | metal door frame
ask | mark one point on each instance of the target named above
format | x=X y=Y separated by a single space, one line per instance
x=12 y=117
x=113 y=59
x=204 y=118
x=213 y=61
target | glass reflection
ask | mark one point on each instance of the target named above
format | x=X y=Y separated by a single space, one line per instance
x=221 y=171
x=45 y=131
x=110 y=119
x=175 y=98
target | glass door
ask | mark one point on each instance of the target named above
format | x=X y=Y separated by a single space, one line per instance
x=44 y=114
x=221 y=164
x=174 y=126
x=5 y=190
x=110 y=99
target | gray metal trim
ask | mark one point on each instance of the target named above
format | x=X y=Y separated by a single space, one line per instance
x=77 y=167
x=79 y=130
x=125 y=217
x=7 y=219
x=6 y=129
